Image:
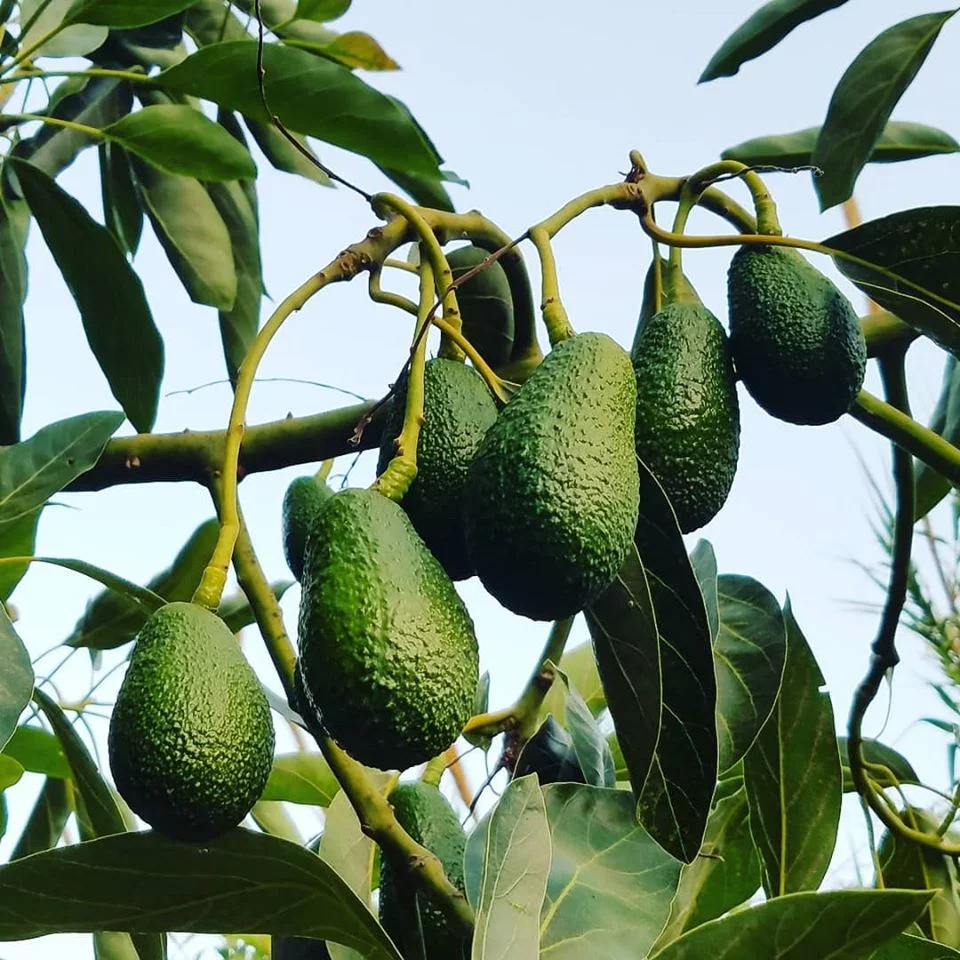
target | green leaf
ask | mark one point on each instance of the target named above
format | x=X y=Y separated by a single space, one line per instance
x=101 y=815
x=321 y=11
x=19 y=539
x=240 y=881
x=906 y=947
x=122 y=212
x=181 y=140
x=38 y=751
x=749 y=656
x=310 y=95
x=13 y=290
x=704 y=563
x=919 y=246
x=124 y=13
x=579 y=665
x=16 y=678
x=355 y=49
x=899 y=141
x=10 y=772
x=510 y=882
x=426 y=191
x=675 y=799
x=33 y=470
x=792 y=777
x=864 y=99
x=593 y=756
x=47 y=819
x=112 y=619
x=109 y=295
x=726 y=874
x=236 y=611
x=909 y=866
x=50 y=19
x=301 y=778
x=283 y=155
x=763 y=30
x=931 y=487
x=875 y=752
x=192 y=234
x=841 y=925
x=157 y=44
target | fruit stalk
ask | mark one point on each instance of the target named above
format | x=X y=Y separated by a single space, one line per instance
x=554 y=313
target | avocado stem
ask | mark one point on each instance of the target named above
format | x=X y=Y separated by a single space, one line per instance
x=555 y=317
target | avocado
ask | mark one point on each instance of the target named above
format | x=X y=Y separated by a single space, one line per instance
x=388 y=656
x=552 y=494
x=191 y=737
x=486 y=305
x=302 y=501
x=423 y=811
x=550 y=755
x=795 y=338
x=458 y=409
x=688 y=417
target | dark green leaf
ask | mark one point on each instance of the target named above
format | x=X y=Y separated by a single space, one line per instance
x=124 y=13
x=908 y=866
x=38 y=751
x=509 y=882
x=899 y=141
x=864 y=99
x=875 y=752
x=122 y=212
x=310 y=95
x=16 y=678
x=33 y=470
x=301 y=778
x=112 y=619
x=675 y=799
x=13 y=290
x=627 y=645
x=284 y=155
x=726 y=874
x=19 y=539
x=236 y=611
x=906 y=947
x=46 y=821
x=109 y=295
x=792 y=777
x=426 y=191
x=931 y=487
x=322 y=10
x=157 y=44
x=550 y=755
x=704 y=563
x=102 y=815
x=840 y=924
x=192 y=234
x=749 y=656
x=240 y=881
x=99 y=102
x=920 y=247
x=763 y=30
x=178 y=139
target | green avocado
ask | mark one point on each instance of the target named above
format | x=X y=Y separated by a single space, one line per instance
x=388 y=656
x=423 y=811
x=688 y=417
x=301 y=503
x=552 y=494
x=458 y=409
x=486 y=305
x=191 y=737
x=795 y=338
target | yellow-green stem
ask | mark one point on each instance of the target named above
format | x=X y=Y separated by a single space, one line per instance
x=433 y=772
x=763 y=202
x=29 y=73
x=94 y=132
x=555 y=317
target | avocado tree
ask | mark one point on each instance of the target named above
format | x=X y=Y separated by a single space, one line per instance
x=674 y=786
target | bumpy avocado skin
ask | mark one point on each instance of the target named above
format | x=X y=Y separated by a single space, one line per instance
x=459 y=409
x=302 y=501
x=191 y=738
x=552 y=494
x=388 y=655
x=425 y=814
x=795 y=338
x=688 y=417
x=486 y=305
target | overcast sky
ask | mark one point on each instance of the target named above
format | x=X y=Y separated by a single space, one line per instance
x=533 y=103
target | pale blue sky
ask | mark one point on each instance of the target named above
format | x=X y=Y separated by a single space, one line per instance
x=533 y=103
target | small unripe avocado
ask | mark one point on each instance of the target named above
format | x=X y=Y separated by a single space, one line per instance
x=191 y=738
x=302 y=501
x=458 y=411
x=423 y=811
x=688 y=417
x=796 y=340
x=553 y=492
x=486 y=305
x=388 y=656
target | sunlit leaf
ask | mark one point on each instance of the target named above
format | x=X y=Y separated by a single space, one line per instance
x=10 y=772
x=16 y=678
x=18 y=540
x=47 y=819
x=38 y=751
x=301 y=778
x=49 y=34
